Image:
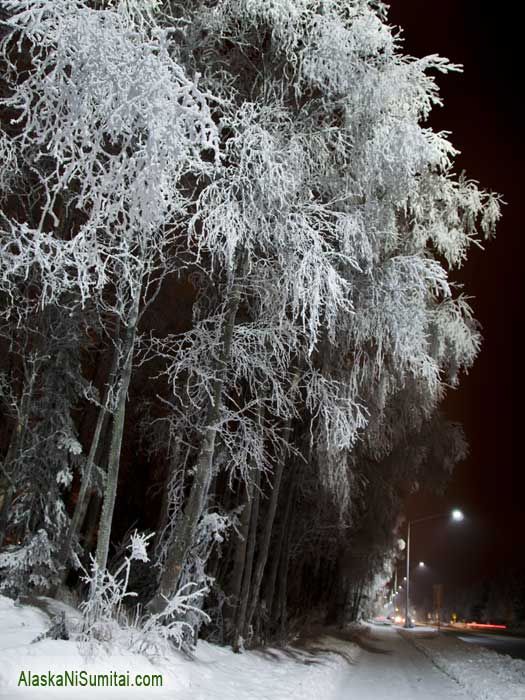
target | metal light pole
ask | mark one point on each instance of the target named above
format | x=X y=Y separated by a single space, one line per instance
x=395 y=580
x=456 y=515
x=407 y=590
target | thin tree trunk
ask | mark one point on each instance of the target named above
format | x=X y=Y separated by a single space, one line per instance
x=248 y=567
x=203 y=470
x=110 y=493
x=277 y=550
x=90 y=524
x=241 y=544
x=85 y=491
x=358 y=600
x=268 y=525
x=239 y=555
x=283 y=587
x=165 y=505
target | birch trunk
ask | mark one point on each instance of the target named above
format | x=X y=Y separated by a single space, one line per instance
x=283 y=587
x=90 y=525
x=203 y=470
x=280 y=546
x=248 y=567
x=165 y=505
x=110 y=493
x=239 y=556
x=85 y=491
x=268 y=526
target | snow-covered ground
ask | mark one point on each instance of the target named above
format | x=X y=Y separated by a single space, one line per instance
x=388 y=664
x=485 y=674
x=216 y=673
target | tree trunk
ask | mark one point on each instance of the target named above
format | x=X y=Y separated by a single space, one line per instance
x=278 y=549
x=283 y=588
x=248 y=567
x=165 y=505
x=239 y=547
x=110 y=492
x=239 y=556
x=90 y=525
x=268 y=525
x=203 y=470
x=84 y=494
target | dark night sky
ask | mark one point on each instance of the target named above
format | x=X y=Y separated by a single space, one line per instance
x=481 y=110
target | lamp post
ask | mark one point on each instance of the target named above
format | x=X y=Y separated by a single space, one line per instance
x=456 y=515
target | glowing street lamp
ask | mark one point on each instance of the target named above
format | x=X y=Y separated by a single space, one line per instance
x=457 y=516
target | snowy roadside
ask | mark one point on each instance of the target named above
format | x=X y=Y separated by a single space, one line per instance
x=485 y=674
x=216 y=673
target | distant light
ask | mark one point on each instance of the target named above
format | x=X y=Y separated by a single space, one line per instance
x=480 y=624
x=457 y=515
x=421 y=563
x=404 y=578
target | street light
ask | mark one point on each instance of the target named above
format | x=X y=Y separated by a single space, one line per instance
x=457 y=516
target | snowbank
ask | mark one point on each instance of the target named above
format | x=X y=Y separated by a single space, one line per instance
x=485 y=674
x=216 y=673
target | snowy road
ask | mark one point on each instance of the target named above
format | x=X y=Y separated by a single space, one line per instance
x=396 y=670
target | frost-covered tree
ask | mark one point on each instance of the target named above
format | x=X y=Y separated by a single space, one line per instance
x=114 y=126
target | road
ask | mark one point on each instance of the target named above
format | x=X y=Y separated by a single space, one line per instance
x=396 y=670
x=502 y=643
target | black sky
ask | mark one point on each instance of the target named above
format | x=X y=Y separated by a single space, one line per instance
x=481 y=109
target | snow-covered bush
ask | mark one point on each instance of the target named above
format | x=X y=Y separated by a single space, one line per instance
x=109 y=621
x=103 y=612
x=176 y=625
